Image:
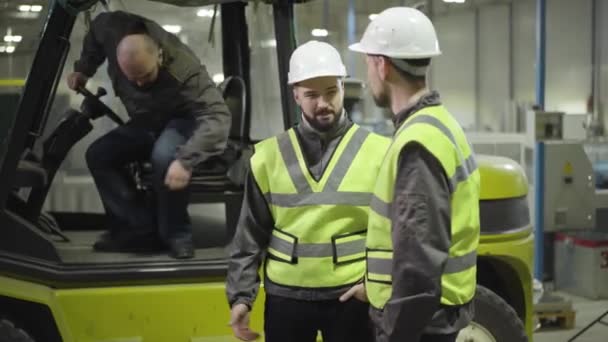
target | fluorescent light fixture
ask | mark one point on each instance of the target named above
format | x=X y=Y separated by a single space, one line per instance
x=25 y=8
x=268 y=43
x=10 y=49
x=36 y=8
x=2 y=48
x=205 y=13
x=373 y=16
x=319 y=32
x=455 y=1
x=173 y=28
x=10 y=38
x=218 y=78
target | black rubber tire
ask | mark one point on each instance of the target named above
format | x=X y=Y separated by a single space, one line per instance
x=9 y=333
x=497 y=317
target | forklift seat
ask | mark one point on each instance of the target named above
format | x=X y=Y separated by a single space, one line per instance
x=34 y=172
x=221 y=179
x=220 y=173
x=30 y=175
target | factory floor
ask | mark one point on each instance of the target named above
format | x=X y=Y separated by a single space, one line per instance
x=586 y=311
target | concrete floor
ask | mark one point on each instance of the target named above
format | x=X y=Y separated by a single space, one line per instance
x=586 y=311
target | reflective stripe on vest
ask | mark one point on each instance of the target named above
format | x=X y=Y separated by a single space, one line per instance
x=465 y=168
x=342 y=249
x=320 y=225
x=329 y=195
x=380 y=263
x=457 y=159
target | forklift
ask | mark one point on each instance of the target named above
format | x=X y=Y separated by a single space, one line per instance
x=54 y=287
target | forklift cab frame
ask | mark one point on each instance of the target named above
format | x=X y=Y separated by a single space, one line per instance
x=36 y=100
x=172 y=300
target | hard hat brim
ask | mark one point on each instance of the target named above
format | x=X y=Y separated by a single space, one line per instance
x=294 y=80
x=357 y=47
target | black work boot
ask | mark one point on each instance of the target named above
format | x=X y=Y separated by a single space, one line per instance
x=129 y=243
x=182 y=249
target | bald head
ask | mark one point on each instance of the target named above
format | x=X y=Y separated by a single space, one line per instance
x=139 y=59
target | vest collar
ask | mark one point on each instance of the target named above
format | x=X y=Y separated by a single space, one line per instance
x=420 y=100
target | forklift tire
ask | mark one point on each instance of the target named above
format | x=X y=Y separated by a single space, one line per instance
x=494 y=320
x=8 y=333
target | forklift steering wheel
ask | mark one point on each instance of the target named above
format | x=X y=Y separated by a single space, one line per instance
x=95 y=108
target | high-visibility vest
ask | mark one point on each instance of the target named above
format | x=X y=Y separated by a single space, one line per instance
x=320 y=225
x=438 y=131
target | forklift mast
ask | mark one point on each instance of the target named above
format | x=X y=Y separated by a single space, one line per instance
x=27 y=122
x=25 y=125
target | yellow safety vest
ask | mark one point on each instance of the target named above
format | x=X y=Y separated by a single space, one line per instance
x=437 y=130
x=320 y=226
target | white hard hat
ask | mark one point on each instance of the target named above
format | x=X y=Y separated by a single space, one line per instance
x=315 y=59
x=401 y=33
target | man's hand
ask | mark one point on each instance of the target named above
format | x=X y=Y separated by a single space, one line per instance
x=177 y=176
x=77 y=80
x=239 y=321
x=357 y=291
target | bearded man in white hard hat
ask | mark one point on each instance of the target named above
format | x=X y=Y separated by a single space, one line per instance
x=423 y=229
x=305 y=214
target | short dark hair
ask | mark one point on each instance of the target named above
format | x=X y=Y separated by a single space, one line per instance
x=422 y=62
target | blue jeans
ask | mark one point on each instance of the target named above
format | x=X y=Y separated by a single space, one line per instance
x=126 y=209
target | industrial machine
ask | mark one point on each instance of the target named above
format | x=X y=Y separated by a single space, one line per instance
x=54 y=287
x=571 y=206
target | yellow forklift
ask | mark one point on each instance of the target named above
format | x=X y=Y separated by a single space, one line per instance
x=54 y=287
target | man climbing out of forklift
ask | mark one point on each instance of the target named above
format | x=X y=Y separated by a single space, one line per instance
x=178 y=119
x=304 y=214
x=423 y=226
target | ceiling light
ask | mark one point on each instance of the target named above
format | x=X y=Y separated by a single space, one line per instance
x=320 y=32
x=218 y=78
x=455 y=1
x=10 y=38
x=25 y=8
x=173 y=28
x=206 y=13
x=269 y=43
x=2 y=48
x=36 y=8
x=10 y=49
x=373 y=16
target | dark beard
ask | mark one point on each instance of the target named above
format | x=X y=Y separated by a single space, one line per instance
x=321 y=127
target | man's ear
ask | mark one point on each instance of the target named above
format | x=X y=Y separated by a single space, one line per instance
x=296 y=96
x=160 y=56
x=384 y=66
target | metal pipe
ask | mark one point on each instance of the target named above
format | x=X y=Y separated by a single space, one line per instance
x=351 y=30
x=325 y=17
x=236 y=58
x=477 y=69
x=285 y=36
x=511 y=54
x=541 y=44
x=539 y=163
x=594 y=49
x=596 y=122
x=430 y=12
